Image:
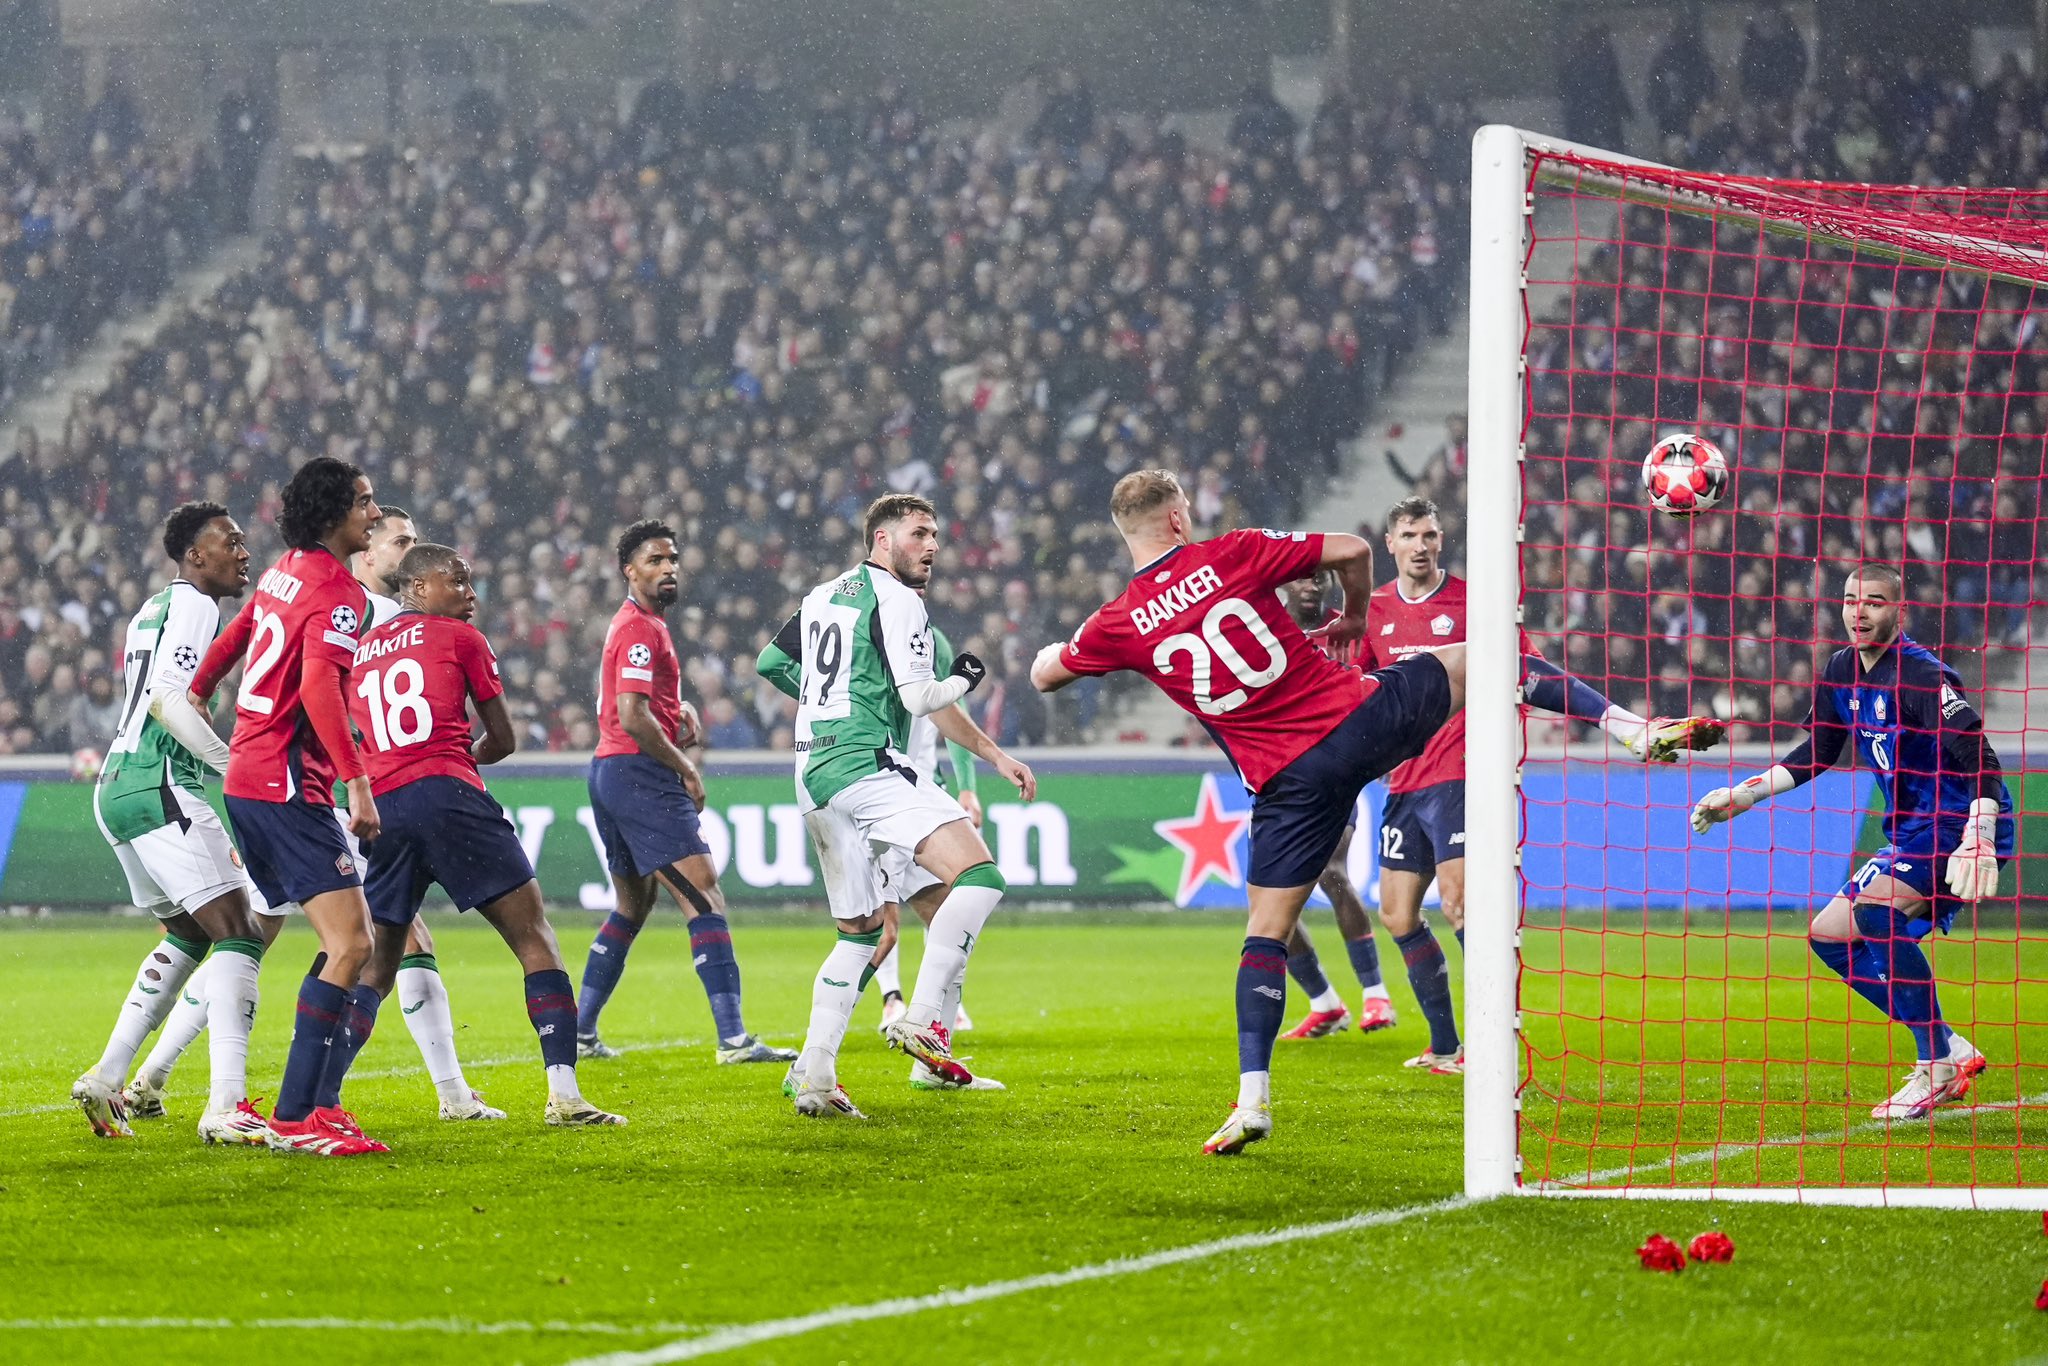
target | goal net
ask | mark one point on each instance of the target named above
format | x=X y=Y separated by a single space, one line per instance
x=1647 y=1017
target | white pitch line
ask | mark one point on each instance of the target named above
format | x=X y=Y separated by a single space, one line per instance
x=750 y=1334
x=464 y=1327
x=1798 y=1141
x=386 y=1072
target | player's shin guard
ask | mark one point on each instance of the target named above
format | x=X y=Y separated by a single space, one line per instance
x=231 y=995
x=358 y=1020
x=1430 y=975
x=834 y=993
x=423 y=1001
x=1261 y=1008
x=165 y=970
x=1902 y=965
x=1365 y=961
x=957 y=925
x=552 y=1009
x=313 y=1036
x=719 y=971
x=602 y=970
x=186 y=1022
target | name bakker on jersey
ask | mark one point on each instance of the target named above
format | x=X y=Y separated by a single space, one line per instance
x=1205 y=623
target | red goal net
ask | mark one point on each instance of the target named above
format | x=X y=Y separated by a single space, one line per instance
x=1873 y=363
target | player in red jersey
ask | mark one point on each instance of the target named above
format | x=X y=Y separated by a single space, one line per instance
x=415 y=680
x=1204 y=621
x=1327 y=1014
x=1422 y=830
x=645 y=796
x=297 y=640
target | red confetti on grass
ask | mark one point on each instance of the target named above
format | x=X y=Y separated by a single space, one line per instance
x=1712 y=1247
x=1661 y=1254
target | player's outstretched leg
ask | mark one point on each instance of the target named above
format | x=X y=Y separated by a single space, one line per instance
x=185 y=1023
x=1549 y=688
x=165 y=969
x=971 y=898
x=1327 y=1014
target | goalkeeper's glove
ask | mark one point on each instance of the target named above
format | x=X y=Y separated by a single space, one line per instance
x=1726 y=803
x=1973 y=867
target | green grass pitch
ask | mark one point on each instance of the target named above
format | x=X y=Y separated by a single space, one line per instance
x=718 y=1208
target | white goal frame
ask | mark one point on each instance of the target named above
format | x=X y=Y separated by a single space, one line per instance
x=1502 y=207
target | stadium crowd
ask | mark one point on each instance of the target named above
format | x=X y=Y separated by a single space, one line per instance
x=532 y=335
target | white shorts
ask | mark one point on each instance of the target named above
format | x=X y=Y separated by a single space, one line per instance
x=903 y=877
x=181 y=868
x=868 y=826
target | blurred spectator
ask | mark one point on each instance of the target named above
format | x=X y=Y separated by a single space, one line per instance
x=1774 y=56
x=1596 y=103
x=1681 y=77
x=243 y=130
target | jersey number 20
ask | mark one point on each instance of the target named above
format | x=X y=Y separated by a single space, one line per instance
x=1211 y=645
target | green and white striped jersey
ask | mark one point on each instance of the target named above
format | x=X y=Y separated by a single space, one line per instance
x=166 y=640
x=859 y=638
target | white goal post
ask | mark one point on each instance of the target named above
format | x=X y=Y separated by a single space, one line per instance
x=1503 y=230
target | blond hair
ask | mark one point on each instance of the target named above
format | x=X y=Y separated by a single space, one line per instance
x=1141 y=493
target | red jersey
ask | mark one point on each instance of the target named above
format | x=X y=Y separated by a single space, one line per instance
x=1205 y=623
x=306 y=606
x=638 y=657
x=1396 y=627
x=409 y=698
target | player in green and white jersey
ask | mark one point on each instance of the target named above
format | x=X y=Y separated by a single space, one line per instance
x=422 y=998
x=903 y=882
x=858 y=657
x=151 y=805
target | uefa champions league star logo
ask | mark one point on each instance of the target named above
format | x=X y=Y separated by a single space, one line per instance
x=186 y=658
x=638 y=656
x=343 y=619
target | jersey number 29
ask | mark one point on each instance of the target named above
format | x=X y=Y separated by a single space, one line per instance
x=828 y=663
x=1204 y=650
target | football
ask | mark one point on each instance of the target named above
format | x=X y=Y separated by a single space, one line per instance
x=1685 y=474
x=85 y=765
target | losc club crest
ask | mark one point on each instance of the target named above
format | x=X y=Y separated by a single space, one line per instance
x=344 y=865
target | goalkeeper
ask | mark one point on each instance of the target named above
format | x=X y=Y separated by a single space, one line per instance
x=1948 y=820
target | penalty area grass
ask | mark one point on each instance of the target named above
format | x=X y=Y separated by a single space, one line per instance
x=719 y=1208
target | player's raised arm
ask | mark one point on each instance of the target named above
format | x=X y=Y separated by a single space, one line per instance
x=1820 y=751
x=958 y=727
x=1350 y=557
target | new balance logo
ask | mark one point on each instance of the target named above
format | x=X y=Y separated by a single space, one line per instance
x=546 y=1030
x=1272 y=993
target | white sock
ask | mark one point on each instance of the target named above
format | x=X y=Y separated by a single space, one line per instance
x=184 y=1024
x=834 y=993
x=1254 y=1088
x=165 y=970
x=1377 y=992
x=1327 y=999
x=562 y=1082
x=424 y=1001
x=946 y=947
x=1623 y=724
x=889 y=974
x=230 y=1014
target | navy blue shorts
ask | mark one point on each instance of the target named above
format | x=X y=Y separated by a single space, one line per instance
x=295 y=851
x=644 y=818
x=441 y=829
x=1302 y=811
x=1423 y=828
x=1918 y=857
